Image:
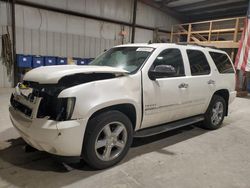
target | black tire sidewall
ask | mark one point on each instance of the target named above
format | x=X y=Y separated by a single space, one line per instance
x=94 y=127
x=208 y=123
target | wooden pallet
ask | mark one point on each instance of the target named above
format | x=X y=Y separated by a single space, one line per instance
x=242 y=94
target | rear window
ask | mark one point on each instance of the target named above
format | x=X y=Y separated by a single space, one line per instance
x=222 y=62
x=198 y=63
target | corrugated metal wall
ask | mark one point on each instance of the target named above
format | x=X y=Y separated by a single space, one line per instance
x=5 y=80
x=40 y=32
x=47 y=33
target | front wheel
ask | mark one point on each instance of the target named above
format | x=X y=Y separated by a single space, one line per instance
x=215 y=113
x=107 y=140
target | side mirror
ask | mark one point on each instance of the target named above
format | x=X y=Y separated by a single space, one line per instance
x=161 y=71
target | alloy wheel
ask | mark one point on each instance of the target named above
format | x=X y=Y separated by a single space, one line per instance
x=217 y=113
x=111 y=141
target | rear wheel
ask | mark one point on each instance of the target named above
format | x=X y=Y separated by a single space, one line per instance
x=215 y=113
x=107 y=139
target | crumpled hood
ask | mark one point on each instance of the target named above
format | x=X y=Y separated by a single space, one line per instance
x=52 y=74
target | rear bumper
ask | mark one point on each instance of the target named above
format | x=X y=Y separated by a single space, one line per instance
x=63 y=138
x=232 y=96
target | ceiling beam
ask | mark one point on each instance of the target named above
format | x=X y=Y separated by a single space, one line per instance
x=217 y=8
x=219 y=12
x=205 y=3
x=163 y=8
x=218 y=15
x=166 y=2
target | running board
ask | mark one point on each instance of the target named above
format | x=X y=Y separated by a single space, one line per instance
x=167 y=127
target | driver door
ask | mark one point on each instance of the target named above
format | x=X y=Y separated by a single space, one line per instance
x=164 y=97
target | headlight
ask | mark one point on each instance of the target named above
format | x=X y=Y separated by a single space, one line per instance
x=59 y=109
x=70 y=107
x=64 y=108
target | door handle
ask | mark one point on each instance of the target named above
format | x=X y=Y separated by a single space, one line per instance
x=183 y=85
x=211 y=82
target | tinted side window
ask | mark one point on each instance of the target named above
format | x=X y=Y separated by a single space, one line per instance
x=222 y=62
x=171 y=57
x=198 y=63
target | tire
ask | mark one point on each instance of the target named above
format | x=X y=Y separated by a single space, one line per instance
x=103 y=145
x=215 y=113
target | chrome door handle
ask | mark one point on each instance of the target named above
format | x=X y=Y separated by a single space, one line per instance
x=211 y=82
x=183 y=85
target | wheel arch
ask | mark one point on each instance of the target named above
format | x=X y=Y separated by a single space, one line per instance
x=224 y=93
x=126 y=108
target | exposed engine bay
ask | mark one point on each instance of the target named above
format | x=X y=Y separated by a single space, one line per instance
x=52 y=107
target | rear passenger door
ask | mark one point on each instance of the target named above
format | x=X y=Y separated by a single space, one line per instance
x=201 y=82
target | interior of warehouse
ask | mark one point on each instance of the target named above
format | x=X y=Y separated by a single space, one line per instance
x=41 y=32
x=71 y=68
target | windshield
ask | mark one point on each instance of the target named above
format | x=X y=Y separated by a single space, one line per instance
x=127 y=58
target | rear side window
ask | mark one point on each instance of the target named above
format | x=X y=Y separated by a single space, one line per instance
x=222 y=62
x=198 y=63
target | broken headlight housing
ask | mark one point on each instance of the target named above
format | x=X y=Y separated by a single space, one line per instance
x=59 y=109
x=70 y=107
x=52 y=107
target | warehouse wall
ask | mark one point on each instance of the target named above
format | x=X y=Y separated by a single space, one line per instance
x=5 y=80
x=48 y=33
x=40 y=32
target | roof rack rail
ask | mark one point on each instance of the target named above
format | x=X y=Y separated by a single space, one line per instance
x=190 y=44
x=195 y=44
x=213 y=47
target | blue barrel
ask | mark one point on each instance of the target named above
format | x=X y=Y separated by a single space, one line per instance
x=37 y=61
x=61 y=61
x=24 y=61
x=82 y=61
x=79 y=61
x=49 y=60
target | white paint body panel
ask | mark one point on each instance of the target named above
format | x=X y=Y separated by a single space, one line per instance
x=52 y=74
x=167 y=100
x=42 y=134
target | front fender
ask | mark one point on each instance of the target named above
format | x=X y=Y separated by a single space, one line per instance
x=94 y=96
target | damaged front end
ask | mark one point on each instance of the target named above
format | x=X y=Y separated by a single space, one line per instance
x=47 y=120
x=41 y=101
x=37 y=100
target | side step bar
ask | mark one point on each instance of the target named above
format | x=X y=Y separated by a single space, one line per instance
x=167 y=127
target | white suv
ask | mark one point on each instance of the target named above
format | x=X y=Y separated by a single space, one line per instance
x=133 y=90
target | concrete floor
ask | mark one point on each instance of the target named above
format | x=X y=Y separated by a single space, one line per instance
x=188 y=157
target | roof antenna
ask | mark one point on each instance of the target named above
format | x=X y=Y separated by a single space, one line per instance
x=149 y=42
